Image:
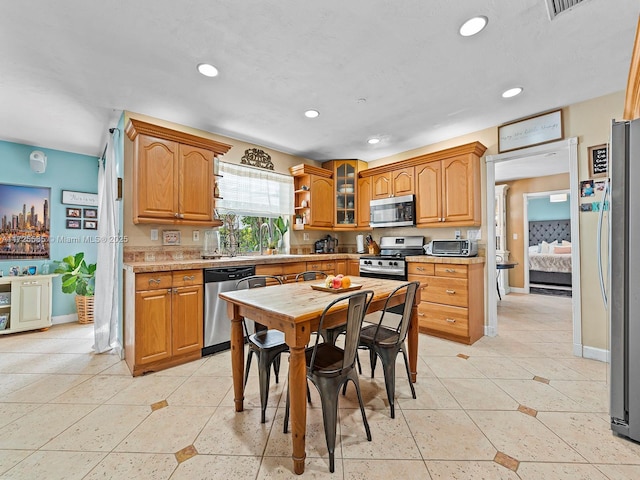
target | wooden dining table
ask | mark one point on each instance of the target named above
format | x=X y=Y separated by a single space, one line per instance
x=295 y=309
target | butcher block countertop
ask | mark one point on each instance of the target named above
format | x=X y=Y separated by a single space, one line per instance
x=169 y=265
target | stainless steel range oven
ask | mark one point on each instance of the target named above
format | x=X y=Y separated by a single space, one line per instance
x=391 y=262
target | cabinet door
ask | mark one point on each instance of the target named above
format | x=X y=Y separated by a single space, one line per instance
x=321 y=205
x=381 y=186
x=402 y=181
x=195 y=192
x=428 y=193
x=364 y=197
x=187 y=319
x=345 y=182
x=33 y=303
x=341 y=267
x=155 y=178
x=153 y=326
x=459 y=193
x=353 y=268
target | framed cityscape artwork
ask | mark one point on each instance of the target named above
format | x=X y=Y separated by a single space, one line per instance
x=25 y=221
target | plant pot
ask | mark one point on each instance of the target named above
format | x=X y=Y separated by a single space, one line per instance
x=84 y=306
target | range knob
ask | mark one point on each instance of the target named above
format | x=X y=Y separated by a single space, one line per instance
x=379 y=262
x=395 y=264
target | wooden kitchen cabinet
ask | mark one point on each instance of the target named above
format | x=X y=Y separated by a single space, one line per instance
x=345 y=180
x=353 y=268
x=452 y=300
x=448 y=192
x=327 y=266
x=286 y=271
x=364 y=197
x=167 y=326
x=173 y=178
x=313 y=197
x=395 y=183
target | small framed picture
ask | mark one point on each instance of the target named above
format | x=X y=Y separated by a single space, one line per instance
x=74 y=224
x=587 y=188
x=14 y=271
x=74 y=213
x=90 y=212
x=90 y=225
x=171 y=237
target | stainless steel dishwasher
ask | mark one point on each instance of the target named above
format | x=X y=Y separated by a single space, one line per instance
x=217 y=325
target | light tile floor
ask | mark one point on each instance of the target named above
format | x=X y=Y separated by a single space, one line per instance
x=518 y=405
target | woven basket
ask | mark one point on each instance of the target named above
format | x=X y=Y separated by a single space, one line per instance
x=84 y=306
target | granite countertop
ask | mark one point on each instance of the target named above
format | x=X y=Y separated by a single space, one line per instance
x=450 y=260
x=168 y=265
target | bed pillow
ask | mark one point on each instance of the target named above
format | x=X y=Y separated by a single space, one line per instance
x=562 y=249
x=566 y=243
x=534 y=249
x=544 y=247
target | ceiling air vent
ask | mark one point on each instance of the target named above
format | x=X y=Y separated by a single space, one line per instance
x=556 y=7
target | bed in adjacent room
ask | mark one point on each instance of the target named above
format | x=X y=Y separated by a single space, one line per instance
x=550 y=252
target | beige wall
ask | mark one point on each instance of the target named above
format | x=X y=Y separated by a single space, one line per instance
x=515 y=218
x=139 y=235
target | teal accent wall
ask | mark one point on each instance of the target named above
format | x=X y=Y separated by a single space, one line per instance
x=542 y=209
x=65 y=171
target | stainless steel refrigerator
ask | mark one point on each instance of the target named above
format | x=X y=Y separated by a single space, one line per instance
x=624 y=285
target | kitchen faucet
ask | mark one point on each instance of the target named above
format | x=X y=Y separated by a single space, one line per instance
x=260 y=235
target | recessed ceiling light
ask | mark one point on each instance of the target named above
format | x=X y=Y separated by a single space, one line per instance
x=311 y=113
x=473 y=25
x=512 y=92
x=207 y=70
x=373 y=141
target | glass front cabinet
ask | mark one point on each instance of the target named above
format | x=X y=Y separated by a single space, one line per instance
x=345 y=175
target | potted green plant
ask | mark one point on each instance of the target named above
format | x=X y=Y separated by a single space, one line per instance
x=78 y=277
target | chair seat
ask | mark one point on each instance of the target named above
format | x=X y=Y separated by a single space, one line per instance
x=385 y=335
x=268 y=339
x=329 y=359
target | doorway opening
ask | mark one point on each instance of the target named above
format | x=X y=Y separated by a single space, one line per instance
x=564 y=156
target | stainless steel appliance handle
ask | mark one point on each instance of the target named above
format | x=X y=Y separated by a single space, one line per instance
x=603 y=290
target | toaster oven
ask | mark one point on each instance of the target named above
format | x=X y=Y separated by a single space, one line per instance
x=452 y=248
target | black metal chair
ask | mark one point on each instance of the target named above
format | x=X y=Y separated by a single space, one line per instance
x=310 y=275
x=266 y=344
x=386 y=341
x=330 y=367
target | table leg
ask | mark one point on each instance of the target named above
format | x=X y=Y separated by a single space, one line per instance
x=298 y=408
x=498 y=284
x=237 y=361
x=412 y=340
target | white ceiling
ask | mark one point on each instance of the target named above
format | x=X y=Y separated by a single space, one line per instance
x=394 y=69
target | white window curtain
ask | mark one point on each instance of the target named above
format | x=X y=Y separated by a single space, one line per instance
x=250 y=191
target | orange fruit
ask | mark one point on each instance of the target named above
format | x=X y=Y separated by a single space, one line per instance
x=346 y=282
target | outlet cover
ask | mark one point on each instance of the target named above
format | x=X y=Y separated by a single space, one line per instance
x=154 y=234
x=305 y=236
x=196 y=235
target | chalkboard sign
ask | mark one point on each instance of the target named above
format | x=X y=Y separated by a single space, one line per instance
x=598 y=161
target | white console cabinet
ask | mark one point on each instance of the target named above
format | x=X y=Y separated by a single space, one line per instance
x=27 y=301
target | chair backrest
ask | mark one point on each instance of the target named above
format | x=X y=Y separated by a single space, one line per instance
x=256 y=281
x=310 y=275
x=409 y=290
x=357 y=309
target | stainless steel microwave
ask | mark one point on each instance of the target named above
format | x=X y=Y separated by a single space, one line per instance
x=393 y=212
x=452 y=248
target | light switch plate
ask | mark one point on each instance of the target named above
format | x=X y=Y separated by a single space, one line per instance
x=154 y=234
x=196 y=235
x=515 y=236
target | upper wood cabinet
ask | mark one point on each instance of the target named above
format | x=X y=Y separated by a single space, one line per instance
x=446 y=184
x=314 y=195
x=345 y=180
x=172 y=175
x=364 y=197
x=395 y=183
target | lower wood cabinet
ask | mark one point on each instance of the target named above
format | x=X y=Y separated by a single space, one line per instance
x=164 y=326
x=452 y=300
x=286 y=271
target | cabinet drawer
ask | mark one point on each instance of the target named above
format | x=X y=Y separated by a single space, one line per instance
x=448 y=291
x=454 y=320
x=182 y=278
x=323 y=266
x=420 y=268
x=153 y=281
x=450 y=270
